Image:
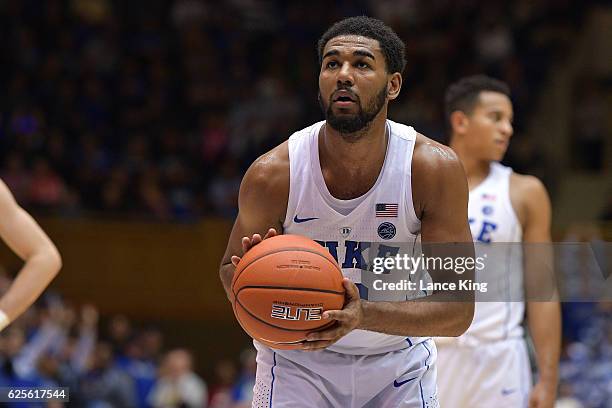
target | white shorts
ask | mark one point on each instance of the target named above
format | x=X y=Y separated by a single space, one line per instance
x=296 y=379
x=488 y=375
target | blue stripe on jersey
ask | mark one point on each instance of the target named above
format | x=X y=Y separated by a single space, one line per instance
x=428 y=354
x=272 y=384
x=427 y=365
x=409 y=342
x=422 y=399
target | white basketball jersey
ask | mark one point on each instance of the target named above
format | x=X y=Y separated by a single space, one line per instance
x=493 y=220
x=356 y=230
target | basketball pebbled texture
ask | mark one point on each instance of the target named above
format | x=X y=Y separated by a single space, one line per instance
x=282 y=286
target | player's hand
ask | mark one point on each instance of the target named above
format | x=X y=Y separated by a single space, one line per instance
x=248 y=243
x=542 y=396
x=347 y=319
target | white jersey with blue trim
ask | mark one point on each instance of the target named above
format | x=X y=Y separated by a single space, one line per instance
x=493 y=220
x=379 y=223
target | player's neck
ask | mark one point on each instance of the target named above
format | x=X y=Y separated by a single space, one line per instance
x=358 y=161
x=367 y=150
x=476 y=170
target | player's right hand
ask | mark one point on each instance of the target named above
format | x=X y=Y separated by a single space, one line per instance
x=248 y=243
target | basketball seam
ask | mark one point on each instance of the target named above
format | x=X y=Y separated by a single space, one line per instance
x=278 y=327
x=333 y=292
x=284 y=250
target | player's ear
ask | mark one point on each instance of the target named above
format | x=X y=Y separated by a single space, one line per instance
x=394 y=85
x=459 y=122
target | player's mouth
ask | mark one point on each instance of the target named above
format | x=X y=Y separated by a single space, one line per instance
x=344 y=98
x=501 y=143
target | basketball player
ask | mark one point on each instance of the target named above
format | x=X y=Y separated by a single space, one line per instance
x=503 y=207
x=42 y=261
x=351 y=180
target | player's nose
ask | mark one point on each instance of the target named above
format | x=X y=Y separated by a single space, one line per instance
x=506 y=129
x=345 y=74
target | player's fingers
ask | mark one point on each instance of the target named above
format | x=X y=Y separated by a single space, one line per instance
x=330 y=334
x=256 y=239
x=246 y=244
x=339 y=315
x=235 y=260
x=271 y=233
x=352 y=292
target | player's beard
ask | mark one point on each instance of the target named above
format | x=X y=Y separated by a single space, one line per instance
x=350 y=125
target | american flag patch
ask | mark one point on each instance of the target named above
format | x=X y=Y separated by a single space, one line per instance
x=486 y=196
x=387 y=210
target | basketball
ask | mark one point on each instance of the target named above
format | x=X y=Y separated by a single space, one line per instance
x=282 y=286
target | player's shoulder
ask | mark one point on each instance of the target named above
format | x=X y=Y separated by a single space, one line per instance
x=270 y=170
x=526 y=184
x=528 y=196
x=434 y=158
x=436 y=172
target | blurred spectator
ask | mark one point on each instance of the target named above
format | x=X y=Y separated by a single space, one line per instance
x=223 y=192
x=135 y=113
x=104 y=385
x=178 y=386
x=221 y=389
x=590 y=118
x=17 y=178
x=242 y=391
x=119 y=333
x=47 y=189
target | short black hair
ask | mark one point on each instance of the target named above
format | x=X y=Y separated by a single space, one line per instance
x=463 y=94
x=392 y=46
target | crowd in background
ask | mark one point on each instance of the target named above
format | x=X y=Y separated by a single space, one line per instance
x=155 y=109
x=115 y=364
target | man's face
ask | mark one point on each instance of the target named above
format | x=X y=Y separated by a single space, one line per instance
x=352 y=82
x=489 y=126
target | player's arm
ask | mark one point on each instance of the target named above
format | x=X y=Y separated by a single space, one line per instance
x=441 y=193
x=262 y=205
x=42 y=260
x=440 y=197
x=543 y=317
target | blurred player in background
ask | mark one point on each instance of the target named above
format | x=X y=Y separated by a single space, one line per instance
x=349 y=181
x=503 y=207
x=42 y=260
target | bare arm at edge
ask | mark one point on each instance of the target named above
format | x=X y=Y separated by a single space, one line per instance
x=42 y=260
x=262 y=204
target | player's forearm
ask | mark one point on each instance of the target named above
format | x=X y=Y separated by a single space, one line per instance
x=36 y=274
x=226 y=273
x=544 y=322
x=418 y=318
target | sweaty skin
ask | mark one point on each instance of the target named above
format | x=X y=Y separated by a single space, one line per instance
x=439 y=190
x=42 y=260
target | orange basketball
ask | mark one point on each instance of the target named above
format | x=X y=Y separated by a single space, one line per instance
x=282 y=286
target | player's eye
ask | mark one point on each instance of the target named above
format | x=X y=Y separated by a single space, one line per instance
x=362 y=65
x=332 y=64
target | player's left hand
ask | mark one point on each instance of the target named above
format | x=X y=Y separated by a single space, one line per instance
x=347 y=319
x=542 y=396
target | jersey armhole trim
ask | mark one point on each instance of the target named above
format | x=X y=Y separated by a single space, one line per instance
x=509 y=205
x=411 y=216
x=291 y=200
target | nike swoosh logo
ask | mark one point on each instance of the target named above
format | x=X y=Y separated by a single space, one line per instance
x=300 y=220
x=506 y=391
x=399 y=384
